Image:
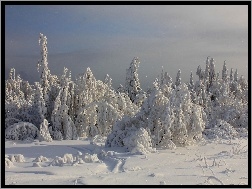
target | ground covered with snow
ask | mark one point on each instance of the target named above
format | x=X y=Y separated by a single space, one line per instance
x=85 y=162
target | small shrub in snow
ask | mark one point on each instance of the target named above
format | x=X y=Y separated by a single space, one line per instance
x=21 y=131
x=221 y=130
x=19 y=158
x=58 y=161
x=12 y=158
x=8 y=163
x=68 y=158
x=40 y=159
x=88 y=158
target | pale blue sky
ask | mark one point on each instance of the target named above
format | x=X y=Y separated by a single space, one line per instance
x=106 y=38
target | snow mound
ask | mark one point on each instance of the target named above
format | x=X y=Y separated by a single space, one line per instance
x=36 y=164
x=40 y=159
x=21 y=131
x=221 y=130
x=8 y=163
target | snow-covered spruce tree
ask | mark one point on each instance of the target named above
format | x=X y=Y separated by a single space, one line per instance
x=44 y=134
x=45 y=72
x=184 y=128
x=225 y=72
x=49 y=83
x=13 y=100
x=132 y=84
x=178 y=78
x=207 y=74
x=62 y=124
x=225 y=100
x=212 y=75
x=38 y=108
x=86 y=90
x=18 y=99
x=200 y=73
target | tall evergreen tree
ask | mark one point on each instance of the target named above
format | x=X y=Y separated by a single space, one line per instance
x=132 y=84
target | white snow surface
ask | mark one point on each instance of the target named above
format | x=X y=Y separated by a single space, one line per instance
x=81 y=162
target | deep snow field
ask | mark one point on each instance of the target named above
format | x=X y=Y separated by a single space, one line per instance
x=211 y=162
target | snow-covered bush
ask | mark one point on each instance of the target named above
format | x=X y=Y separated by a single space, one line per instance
x=68 y=158
x=133 y=139
x=40 y=159
x=88 y=158
x=12 y=158
x=58 y=161
x=222 y=130
x=138 y=141
x=8 y=163
x=19 y=158
x=21 y=131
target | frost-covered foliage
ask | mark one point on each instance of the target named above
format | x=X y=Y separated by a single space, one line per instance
x=88 y=158
x=223 y=130
x=166 y=115
x=69 y=159
x=138 y=141
x=44 y=134
x=133 y=139
x=132 y=85
x=8 y=163
x=21 y=131
x=19 y=158
x=61 y=119
x=169 y=122
x=40 y=159
x=223 y=98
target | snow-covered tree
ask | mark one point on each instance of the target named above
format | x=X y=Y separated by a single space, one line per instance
x=44 y=134
x=132 y=84
x=178 y=78
x=225 y=72
x=45 y=72
x=61 y=120
x=38 y=108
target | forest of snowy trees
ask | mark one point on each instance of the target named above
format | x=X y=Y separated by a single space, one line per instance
x=169 y=114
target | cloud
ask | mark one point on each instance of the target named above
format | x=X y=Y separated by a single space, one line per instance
x=106 y=38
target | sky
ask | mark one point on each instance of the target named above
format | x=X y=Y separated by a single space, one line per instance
x=107 y=37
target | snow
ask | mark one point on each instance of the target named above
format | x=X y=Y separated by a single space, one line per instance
x=209 y=162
